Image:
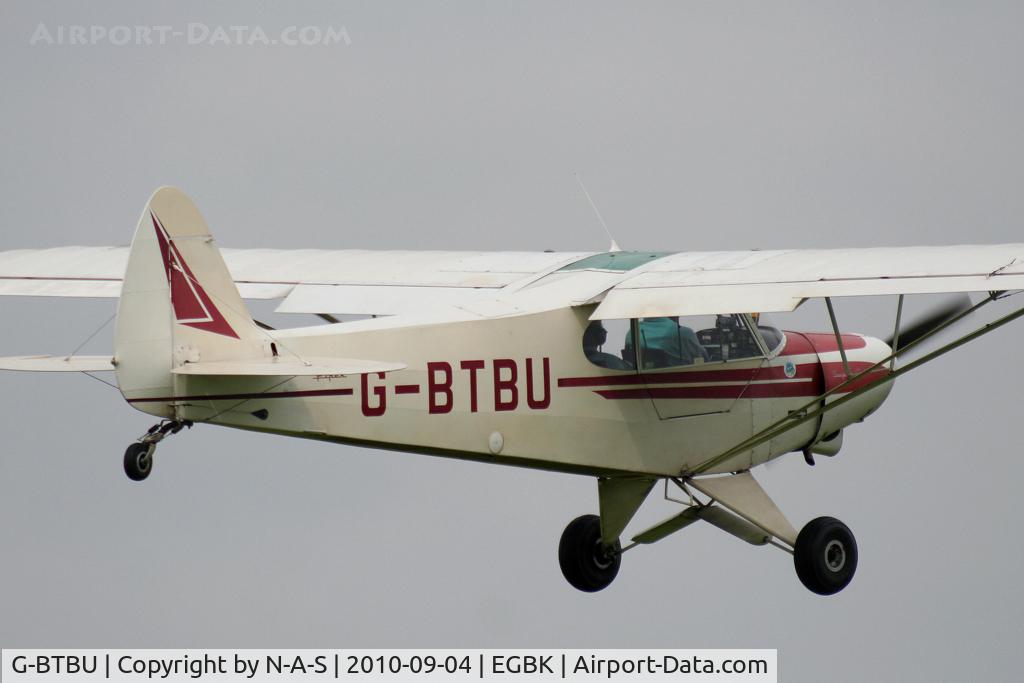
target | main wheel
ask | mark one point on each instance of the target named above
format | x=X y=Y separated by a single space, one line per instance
x=585 y=562
x=138 y=461
x=825 y=556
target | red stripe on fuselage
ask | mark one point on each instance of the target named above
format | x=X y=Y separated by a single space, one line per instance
x=806 y=384
x=798 y=389
x=687 y=377
x=803 y=371
x=825 y=342
x=835 y=374
x=228 y=397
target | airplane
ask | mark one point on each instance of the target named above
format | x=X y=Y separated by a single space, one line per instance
x=634 y=368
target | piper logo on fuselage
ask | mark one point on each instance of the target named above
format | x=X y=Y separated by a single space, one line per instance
x=512 y=384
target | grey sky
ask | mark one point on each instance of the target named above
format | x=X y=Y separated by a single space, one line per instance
x=458 y=125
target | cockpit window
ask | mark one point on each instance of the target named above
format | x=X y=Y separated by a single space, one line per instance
x=668 y=342
x=609 y=344
x=773 y=338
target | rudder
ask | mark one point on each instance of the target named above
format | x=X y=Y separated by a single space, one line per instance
x=178 y=304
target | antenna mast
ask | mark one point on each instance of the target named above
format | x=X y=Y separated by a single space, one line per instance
x=614 y=245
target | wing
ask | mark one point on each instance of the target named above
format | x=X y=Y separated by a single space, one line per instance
x=396 y=282
x=57 y=363
x=700 y=283
x=309 y=280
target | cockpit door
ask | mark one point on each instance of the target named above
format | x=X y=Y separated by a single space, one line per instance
x=700 y=365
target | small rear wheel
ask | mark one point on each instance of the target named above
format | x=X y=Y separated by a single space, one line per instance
x=138 y=461
x=586 y=562
x=825 y=556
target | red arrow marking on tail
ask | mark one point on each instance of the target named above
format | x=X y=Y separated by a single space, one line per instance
x=192 y=305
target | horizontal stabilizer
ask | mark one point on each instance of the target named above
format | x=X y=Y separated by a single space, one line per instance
x=57 y=363
x=292 y=367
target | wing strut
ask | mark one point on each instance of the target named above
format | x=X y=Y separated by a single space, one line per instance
x=808 y=411
x=896 y=332
x=839 y=337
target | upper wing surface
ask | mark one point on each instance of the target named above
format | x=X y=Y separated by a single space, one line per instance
x=394 y=282
x=309 y=280
x=698 y=283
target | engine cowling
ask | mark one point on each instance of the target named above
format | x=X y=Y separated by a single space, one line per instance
x=862 y=352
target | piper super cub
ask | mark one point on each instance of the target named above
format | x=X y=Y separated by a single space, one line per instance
x=632 y=368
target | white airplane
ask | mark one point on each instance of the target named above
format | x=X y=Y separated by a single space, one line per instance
x=632 y=368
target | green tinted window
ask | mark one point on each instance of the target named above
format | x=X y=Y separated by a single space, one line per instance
x=668 y=342
x=617 y=260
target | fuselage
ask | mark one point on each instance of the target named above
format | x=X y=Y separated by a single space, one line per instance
x=520 y=390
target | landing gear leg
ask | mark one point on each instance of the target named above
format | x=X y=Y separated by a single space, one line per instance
x=138 y=457
x=587 y=563
x=824 y=552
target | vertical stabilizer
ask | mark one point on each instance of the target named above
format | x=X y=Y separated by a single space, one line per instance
x=178 y=304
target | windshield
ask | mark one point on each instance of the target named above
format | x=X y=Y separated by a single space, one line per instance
x=773 y=338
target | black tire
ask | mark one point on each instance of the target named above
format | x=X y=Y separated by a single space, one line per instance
x=585 y=562
x=825 y=556
x=138 y=461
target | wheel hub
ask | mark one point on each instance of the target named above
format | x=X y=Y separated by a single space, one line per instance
x=603 y=557
x=835 y=556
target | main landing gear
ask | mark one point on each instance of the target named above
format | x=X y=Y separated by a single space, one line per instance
x=138 y=457
x=586 y=562
x=825 y=556
x=824 y=552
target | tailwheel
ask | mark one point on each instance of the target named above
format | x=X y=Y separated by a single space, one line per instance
x=586 y=562
x=825 y=555
x=138 y=460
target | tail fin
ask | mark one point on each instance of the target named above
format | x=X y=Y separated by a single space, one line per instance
x=178 y=304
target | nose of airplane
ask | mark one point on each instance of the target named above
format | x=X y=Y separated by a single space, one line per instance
x=860 y=357
x=875 y=352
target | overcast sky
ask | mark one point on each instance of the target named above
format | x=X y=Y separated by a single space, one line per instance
x=459 y=125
